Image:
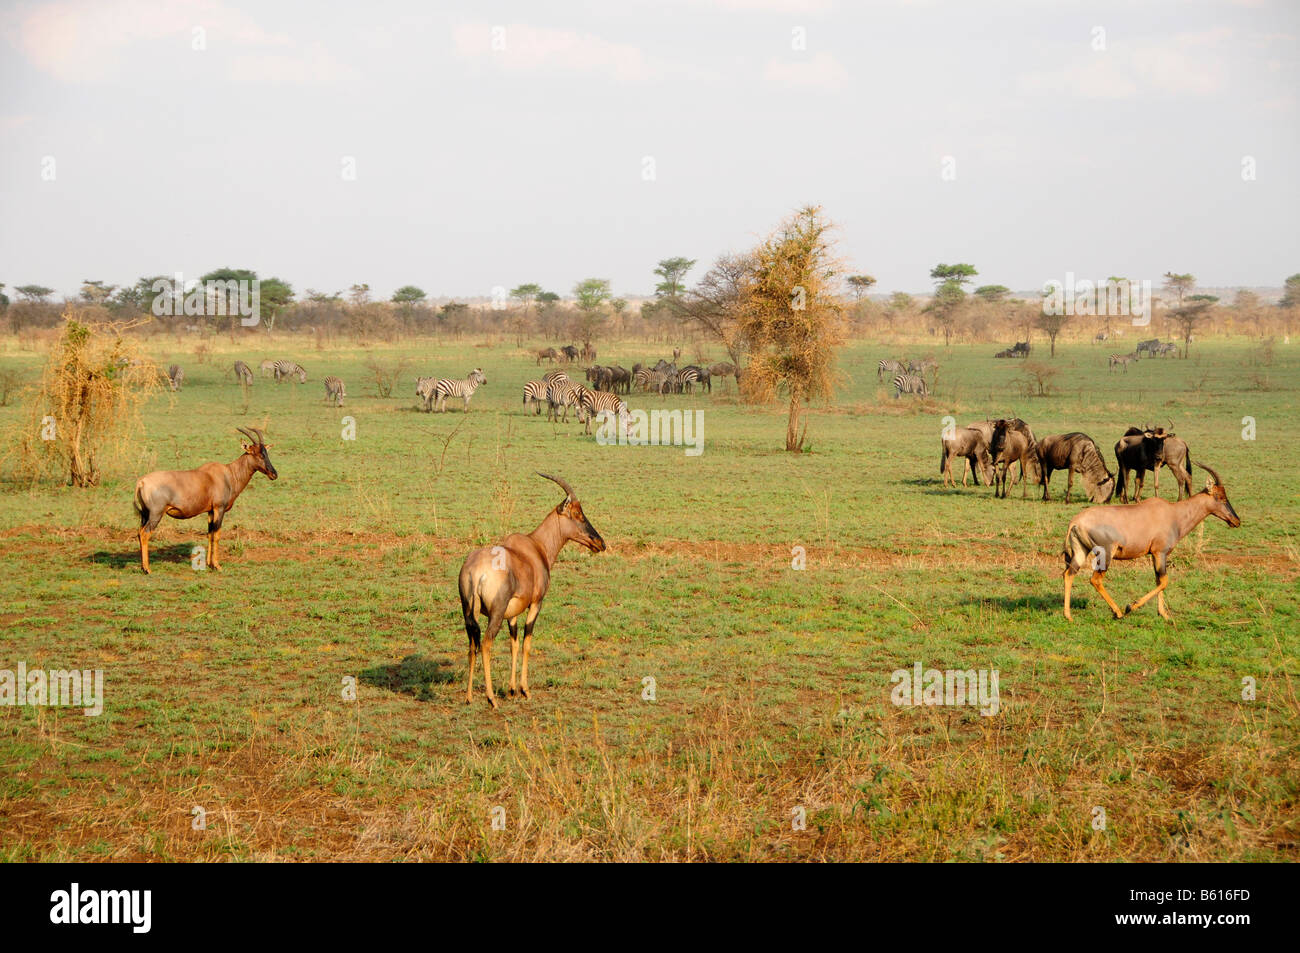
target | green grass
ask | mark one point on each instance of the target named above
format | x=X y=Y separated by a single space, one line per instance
x=773 y=685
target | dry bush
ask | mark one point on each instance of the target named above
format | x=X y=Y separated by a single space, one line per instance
x=10 y=381
x=386 y=374
x=89 y=398
x=202 y=354
x=1037 y=379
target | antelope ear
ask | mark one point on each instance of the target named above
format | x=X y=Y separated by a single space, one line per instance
x=1209 y=483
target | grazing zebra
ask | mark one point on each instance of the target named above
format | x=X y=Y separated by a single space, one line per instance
x=243 y=372
x=563 y=394
x=424 y=390
x=649 y=379
x=1121 y=360
x=600 y=402
x=555 y=376
x=334 y=390
x=888 y=366
x=689 y=376
x=283 y=369
x=463 y=389
x=535 y=393
x=910 y=384
x=1169 y=347
x=1149 y=347
x=175 y=376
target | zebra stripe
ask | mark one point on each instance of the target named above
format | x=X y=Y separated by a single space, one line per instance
x=464 y=389
x=175 y=376
x=910 y=384
x=334 y=390
x=601 y=402
x=535 y=393
x=563 y=394
x=243 y=372
x=283 y=369
x=888 y=366
x=689 y=376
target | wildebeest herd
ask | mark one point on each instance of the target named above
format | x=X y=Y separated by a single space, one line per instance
x=1100 y=534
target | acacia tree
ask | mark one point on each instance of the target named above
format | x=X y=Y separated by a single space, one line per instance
x=1186 y=318
x=672 y=271
x=591 y=295
x=949 y=295
x=792 y=319
x=1179 y=285
x=860 y=285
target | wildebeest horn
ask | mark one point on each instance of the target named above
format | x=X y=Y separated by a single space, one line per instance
x=563 y=484
x=1211 y=472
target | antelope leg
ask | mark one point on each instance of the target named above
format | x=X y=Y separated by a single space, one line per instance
x=1097 y=578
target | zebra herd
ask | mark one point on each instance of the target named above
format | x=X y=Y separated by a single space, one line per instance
x=1152 y=348
x=282 y=370
x=909 y=376
x=558 y=392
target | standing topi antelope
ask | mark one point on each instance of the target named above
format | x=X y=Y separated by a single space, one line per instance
x=1152 y=528
x=212 y=489
x=510 y=579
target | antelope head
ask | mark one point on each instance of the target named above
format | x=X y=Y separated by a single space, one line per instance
x=1220 y=506
x=256 y=448
x=574 y=524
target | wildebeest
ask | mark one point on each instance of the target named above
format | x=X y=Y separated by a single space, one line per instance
x=1176 y=451
x=1101 y=534
x=1136 y=452
x=1013 y=442
x=969 y=444
x=568 y=354
x=547 y=354
x=1075 y=453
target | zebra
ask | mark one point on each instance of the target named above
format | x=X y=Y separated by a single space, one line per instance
x=535 y=393
x=601 y=402
x=463 y=389
x=888 y=366
x=1169 y=347
x=1150 y=347
x=243 y=372
x=910 y=384
x=1121 y=360
x=268 y=368
x=283 y=369
x=555 y=376
x=650 y=379
x=175 y=376
x=563 y=394
x=1099 y=337
x=335 y=390
x=688 y=376
x=424 y=390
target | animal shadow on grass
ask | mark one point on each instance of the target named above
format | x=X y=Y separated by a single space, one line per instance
x=414 y=675
x=130 y=558
x=1012 y=603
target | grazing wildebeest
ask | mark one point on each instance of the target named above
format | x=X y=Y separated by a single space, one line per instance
x=568 y=354
x=510 y=579
x=971 y=445
x=1101 y=534
x=211 y=489
x=547 y=354
x=1075 y=453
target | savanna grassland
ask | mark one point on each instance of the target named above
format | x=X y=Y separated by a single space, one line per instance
x=772 y=684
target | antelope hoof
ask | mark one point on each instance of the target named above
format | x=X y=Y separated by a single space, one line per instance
x=1127 y=610
x=525 y=693
x=1068 y=617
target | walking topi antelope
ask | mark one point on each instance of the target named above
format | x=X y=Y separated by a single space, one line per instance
x=510 y=579
x=1152 y=528
x=211 y=489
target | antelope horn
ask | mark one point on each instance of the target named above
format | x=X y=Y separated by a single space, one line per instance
x=247 y=434
x=1211 y=472
x=563 y=484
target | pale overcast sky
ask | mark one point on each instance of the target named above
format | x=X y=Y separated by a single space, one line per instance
x=1098 y=138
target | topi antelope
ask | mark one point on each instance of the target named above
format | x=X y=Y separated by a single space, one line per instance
x=1152 y=528
x=510 y=579
x=211 y=489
